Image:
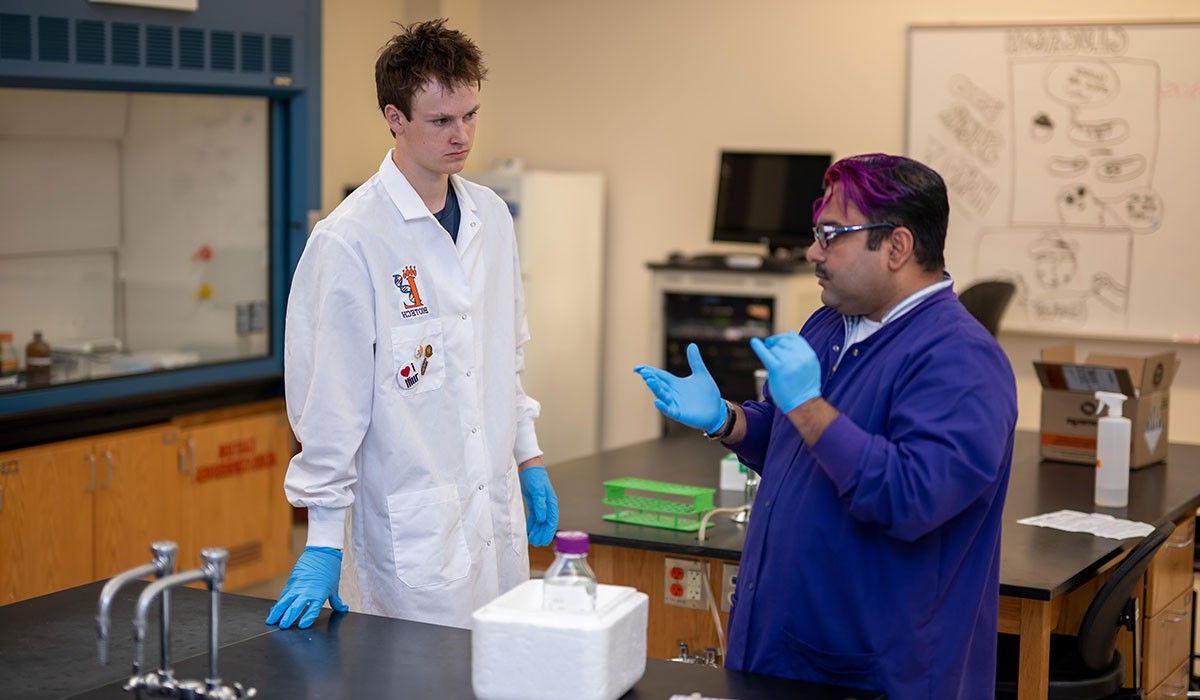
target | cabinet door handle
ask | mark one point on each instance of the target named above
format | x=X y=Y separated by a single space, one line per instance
x=91 y=458
x=191 y=445
x=108 y=457
x=1176 y=615
x=181 y=459
x=1183 y=539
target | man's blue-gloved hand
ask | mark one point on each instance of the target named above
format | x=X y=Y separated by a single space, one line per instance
x=694 y=401
x=793 y=370
x=314 y=580
x=542 y=521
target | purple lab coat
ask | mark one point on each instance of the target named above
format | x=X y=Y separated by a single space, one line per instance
x=872 y=558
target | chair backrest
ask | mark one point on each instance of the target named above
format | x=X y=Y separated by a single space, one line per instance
x=1098 y=631
x=987 y=301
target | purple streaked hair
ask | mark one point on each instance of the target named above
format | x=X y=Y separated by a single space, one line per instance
x=866 y=180
x=896 y=189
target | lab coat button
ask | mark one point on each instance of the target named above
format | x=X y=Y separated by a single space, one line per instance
x=463 y=316
x=854 y=352
x=489 y=543
x=468 y=373
x=837 y=348
x=474 y=430
x=481 y=487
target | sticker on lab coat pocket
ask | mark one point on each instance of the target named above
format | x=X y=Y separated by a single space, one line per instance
x=418 y=355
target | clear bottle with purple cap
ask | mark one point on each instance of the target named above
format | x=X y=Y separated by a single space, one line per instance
x=569 y=584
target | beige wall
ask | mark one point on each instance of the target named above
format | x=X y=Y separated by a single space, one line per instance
x=353 y=134
x=649 y=92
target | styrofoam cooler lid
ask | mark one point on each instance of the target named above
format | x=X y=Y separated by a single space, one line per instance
x=526 y=600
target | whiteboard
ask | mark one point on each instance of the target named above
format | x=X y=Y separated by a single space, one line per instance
x=1071 y=155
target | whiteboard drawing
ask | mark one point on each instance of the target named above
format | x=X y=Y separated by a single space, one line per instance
x=1062 y=278
x=1069 y=154
x=1078 y=205
x=986 y=104
x=966 y=183
x=980 y=140
x=1079 y=161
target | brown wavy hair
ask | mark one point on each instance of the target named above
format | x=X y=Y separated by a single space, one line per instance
x=421 y=52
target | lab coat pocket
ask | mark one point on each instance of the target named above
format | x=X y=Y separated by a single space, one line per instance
x=419 y=357
x=428 y=542
x=835 y=665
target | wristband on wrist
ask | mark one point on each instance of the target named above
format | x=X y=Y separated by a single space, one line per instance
x=726 y=427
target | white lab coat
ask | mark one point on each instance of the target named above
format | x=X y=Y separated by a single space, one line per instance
x=408 y=403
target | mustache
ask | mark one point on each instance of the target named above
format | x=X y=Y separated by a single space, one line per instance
x=821 y=272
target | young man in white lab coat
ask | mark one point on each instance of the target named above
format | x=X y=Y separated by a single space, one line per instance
x=402 y=361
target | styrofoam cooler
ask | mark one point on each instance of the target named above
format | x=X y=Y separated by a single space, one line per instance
x=521 y=652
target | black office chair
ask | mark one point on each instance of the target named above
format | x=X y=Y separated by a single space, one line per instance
x=987 y=301
x=1088 y=665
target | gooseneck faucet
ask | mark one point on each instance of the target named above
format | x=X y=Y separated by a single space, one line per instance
x=162 y=586
x=163 y=564
x=212 y=573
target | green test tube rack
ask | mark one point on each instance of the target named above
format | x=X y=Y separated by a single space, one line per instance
x=649 y=507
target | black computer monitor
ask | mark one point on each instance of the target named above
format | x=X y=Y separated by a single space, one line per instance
x=768 y=198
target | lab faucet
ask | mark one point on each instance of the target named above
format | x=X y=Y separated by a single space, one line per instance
x=163 y=564
x=161 y=683
x=708 y=659
x=742 y=516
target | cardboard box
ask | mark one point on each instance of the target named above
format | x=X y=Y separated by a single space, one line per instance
x=1068 y=431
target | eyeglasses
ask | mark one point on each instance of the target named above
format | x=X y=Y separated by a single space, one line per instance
x=825 y=233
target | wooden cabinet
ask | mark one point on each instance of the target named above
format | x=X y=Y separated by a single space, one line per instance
x=1167 y=624
x=46 y=519
x=1168 y=639
x=1170 y=572
x=1174 y=686
x=232 y=494
x=82 y=510
x=137 y=498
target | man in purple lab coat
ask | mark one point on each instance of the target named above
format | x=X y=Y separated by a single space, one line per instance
x=884 y=445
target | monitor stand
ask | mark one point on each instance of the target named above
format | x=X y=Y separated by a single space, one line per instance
x=785 y=255
x=737 y=261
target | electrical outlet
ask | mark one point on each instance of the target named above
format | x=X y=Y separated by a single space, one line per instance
x=684 y=584
x=729 y=574
x=693 y=586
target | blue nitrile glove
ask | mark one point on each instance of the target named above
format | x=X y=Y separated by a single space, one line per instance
x=694 y=400
x=542 y=521
x=793 y=370
x=314 y=580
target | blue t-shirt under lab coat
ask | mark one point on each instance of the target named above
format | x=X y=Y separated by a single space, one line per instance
x=450 y=215
x=872 y=558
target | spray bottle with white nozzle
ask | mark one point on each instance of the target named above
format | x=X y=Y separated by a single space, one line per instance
x=1112 y=451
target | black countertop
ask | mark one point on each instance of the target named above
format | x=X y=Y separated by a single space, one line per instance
x=1035 y=562
x=48 y=644
x=48 y=650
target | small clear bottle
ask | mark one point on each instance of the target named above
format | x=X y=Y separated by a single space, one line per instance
x=569 y=584
x=8 y=355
